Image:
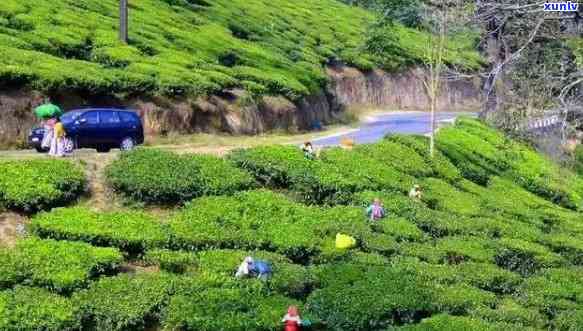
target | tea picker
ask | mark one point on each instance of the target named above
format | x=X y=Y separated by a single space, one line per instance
x=376 y=211
x=254 y=268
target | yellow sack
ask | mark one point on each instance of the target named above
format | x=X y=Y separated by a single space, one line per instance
x=345 y=242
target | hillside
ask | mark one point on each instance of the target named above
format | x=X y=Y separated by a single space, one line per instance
x=495 y=242
x=196 y=47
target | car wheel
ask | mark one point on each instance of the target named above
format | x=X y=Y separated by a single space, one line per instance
x=127 y=144
x=41 y=150
x=103 y=149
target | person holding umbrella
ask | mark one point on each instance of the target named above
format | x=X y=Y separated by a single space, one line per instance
x=55 y=140
x=59 y=139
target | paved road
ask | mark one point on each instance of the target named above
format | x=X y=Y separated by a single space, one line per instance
x=378 y=126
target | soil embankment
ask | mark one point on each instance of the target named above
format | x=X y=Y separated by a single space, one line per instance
x=235 y=112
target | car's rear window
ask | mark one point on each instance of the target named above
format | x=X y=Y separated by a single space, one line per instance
x=127 y=117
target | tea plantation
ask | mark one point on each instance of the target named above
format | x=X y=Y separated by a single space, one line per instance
x=494 y=243
x=196 y=47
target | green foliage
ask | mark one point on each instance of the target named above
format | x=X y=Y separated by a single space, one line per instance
x=34 y=185
x=443 y=322
x=155 y=176
x=525 y=257
x=61 y=45
x=25 y=308
x=172 y=261
x=274 y=166
x=202 y=308
x=288 y=279
x=59 y=265
x=264 y=220
x=132 y=232
x=569 y=320
x=510 y=311
x=353 y=299
x=441 y=165
x=332 y=179
x=481 y=152
x=124 y=302
x=439 y=195
x=553 y=291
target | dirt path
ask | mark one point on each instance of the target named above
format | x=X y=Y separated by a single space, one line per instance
x=11 y=226
x=99 y=196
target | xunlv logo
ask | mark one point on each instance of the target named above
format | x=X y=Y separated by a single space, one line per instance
x=561 y=6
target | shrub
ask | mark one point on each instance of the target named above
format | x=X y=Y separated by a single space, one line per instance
x=403 y=158
x=123 y=302
x=287 y=279
x=332 y=179
x=155 y=176
x=263 y=220
x=553 y=290
x=400 y=229
x=59 y=265
x=440 y=164
x=439 y=195
x=229 y=309
x=567 y=245
x=34 y=185
x=460 y=299
x=509 y=311
x=443 y=322
x=353 y=301
x=569 y=320
x=274 y=166
x=452 y=250
x=525 y=257
x=172 y=261
x=25 y=308
x=129 y=231
x=480 y=152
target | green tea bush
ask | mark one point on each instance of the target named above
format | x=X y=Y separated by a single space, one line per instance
x=155 y=176
x=439 y=195
x=266 y=221
x=481 y=152
x=230 y=309
x=129 y=231
x=332 y=179
x=443 y=322
x=440 y=164
x=26 y=308
x=288 y=279
x=553 y=290
x=346 y=172
x=274 y=166
x=403 y=158
x=59 y=265
x=352 y=300
x=400 y=229
x=525 y=257
x=510 y=311
x=125 y=302
x=569 y=320
x=34 y=185
x=570 y=247
x=172 y=261
x=460 y=299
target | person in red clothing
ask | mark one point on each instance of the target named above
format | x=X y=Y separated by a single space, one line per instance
x=292 y=319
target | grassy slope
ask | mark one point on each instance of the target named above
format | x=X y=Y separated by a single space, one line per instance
x=191 y=46
x=496 y=243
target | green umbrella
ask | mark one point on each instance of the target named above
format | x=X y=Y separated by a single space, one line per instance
x=48 y=111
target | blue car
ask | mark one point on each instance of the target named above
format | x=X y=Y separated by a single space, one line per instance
x=98 y=128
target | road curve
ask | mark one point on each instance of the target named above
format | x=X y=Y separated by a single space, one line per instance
x=376 y=127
